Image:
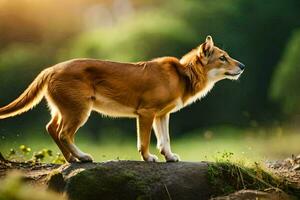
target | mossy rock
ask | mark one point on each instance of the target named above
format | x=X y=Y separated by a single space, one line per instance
x=108 y=184
x=140 y=180
x=143 y=180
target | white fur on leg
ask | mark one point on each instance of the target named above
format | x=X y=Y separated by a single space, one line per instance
x=172 y=158
x=161 y=129
x=146 y=156
x=72 y=159
x=86 y=158
x=83 y=157
x=150 y=158
x=76 y=152
x=165 y=149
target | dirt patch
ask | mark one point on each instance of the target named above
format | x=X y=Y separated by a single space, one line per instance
x=254 y=194
x=36 y=173
x=288 y=170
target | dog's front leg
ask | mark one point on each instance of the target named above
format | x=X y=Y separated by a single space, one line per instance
x=161 y=129
x=144 y=127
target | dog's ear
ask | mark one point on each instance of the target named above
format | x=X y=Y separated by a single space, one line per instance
x=206 y=48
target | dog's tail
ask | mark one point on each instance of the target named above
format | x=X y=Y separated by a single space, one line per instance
x=29 y=98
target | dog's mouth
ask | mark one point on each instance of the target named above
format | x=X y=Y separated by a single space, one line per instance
x=234 y=74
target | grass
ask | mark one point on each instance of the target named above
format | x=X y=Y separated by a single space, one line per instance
x=227 y=177
x=245 y=144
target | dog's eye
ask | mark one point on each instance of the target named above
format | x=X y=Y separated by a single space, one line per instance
x=222 y=58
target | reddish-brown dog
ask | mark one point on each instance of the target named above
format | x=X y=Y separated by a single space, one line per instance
x=148 y=91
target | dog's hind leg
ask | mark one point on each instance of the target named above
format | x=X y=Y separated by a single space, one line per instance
x=73 y=99
x=71 y=122
x=53 y=128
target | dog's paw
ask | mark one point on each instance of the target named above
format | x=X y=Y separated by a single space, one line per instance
x=151 y=158
x=86 y=158
x=72 y=159
x=172 y=158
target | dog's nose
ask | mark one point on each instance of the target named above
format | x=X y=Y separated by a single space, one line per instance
x=241 y=66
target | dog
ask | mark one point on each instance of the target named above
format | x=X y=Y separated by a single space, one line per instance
x=148 y=91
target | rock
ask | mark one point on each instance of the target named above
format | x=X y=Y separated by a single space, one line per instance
x=57 y=182
x=144 y=180
x=136 y=180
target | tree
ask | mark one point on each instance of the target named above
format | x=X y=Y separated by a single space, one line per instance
x=285 y=86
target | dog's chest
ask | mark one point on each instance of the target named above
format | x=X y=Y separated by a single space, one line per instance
x=180 y=104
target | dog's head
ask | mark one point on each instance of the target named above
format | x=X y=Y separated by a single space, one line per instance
x=217 y=63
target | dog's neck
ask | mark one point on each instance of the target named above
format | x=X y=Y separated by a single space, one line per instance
x=194 y=70
x=198 y=82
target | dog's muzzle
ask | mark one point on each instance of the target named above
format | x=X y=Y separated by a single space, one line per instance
x=241 y=66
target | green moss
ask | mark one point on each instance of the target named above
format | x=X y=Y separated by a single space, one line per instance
x=56 y=181
x=102 y=183
x=227 y=177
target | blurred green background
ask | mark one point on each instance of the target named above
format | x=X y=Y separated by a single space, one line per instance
x=258 y=116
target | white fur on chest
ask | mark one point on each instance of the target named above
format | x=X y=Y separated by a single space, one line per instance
x=199 y=95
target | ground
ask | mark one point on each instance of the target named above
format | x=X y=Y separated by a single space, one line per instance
x=288 y=169
x=38 y=174
x=268 y=148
